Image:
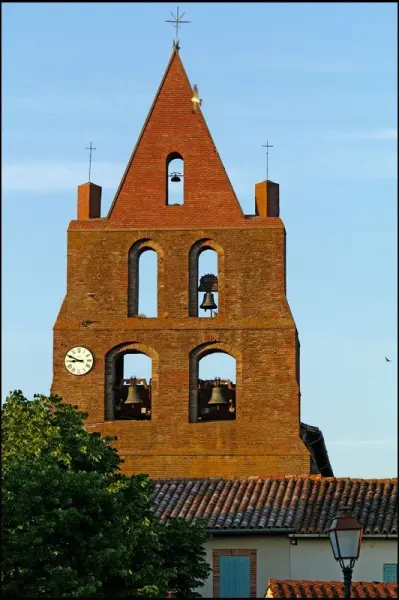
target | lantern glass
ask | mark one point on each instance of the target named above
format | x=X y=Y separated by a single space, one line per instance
x=345 y=537
x=348 y=543
x=334 y=545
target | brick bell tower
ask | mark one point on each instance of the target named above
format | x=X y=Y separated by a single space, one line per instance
x=176 y=425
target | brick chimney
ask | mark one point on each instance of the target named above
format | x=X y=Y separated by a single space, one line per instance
x=267 y=199
x=89 y=201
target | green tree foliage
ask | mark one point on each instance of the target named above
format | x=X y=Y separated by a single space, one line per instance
x=73 y=526
x=182 y=547
x=45 y=428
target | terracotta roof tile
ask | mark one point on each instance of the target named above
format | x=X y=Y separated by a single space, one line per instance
x=306 y=504
x=291 y=588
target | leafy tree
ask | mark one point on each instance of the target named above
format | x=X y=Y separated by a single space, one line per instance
x=182 y=548
x=73 y=525
x=45 y=428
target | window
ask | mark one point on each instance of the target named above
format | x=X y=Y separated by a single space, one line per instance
x=131 y=382
x=234 y=577
x=174 y=179
x=132 y=387
x=213 y=375
x=148 y=284
x=217 y=383
x=206 y=279
x=145 y=267
x=390 y=573
x=208 y=300
x=234 y=573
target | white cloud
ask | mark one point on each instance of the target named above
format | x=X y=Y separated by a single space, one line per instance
x=50 y=176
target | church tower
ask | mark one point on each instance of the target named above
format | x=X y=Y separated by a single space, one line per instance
x=175 y=424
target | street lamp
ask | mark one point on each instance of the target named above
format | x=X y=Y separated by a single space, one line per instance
x=345 y=537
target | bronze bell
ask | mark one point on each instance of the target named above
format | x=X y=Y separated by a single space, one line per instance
x=217 y=395
x=208 y=302
x=133 y=396
x=175 y=178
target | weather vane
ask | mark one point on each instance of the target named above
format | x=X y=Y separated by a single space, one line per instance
x=177 y=21
x=91 y=150
x=267 y=146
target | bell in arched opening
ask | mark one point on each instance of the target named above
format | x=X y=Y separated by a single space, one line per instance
x=133 y=396
x=175 y=177
x=208 y=303
x=217 y=397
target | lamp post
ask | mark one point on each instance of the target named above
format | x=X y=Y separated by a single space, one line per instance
x=345 y=537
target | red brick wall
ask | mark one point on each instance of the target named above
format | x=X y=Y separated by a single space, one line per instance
x=89 y=201
x=255 y=326
x=254 y=322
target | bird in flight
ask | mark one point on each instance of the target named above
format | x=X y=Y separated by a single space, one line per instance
x=196 y=100
x=387 y=359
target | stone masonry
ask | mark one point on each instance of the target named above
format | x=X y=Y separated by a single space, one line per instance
x=254 y=322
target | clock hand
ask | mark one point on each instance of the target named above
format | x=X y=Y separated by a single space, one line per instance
x=75 y=359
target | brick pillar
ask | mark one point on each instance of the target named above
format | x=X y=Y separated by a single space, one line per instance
x=89 y=201
x=267 y=199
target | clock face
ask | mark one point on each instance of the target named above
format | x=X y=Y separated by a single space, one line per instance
x=79 y=360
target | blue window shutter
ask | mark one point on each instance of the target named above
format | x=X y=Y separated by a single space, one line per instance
x=390 y=572
x=234 y=576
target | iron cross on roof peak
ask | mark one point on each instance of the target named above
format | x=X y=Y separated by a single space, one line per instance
x=177 y=21
x=91 y=148
x=267 y=146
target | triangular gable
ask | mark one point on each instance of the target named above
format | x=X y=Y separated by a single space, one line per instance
x=173 y=126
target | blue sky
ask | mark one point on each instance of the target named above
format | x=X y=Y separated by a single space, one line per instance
x=317 y=80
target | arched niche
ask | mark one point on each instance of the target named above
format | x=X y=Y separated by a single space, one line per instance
x=201 y=389
x=174 y=179
x=117 y=386
x=194 y=275
x=134 y=276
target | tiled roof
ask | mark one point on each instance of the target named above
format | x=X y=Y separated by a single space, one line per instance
x=291 y=588
x=306 y=504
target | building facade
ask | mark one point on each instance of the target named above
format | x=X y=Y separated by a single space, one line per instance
x=287 y=557
x=277 y=527
x=176 y=425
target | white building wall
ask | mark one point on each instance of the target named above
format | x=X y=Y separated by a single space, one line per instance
x=272 y=558
x=310 y=559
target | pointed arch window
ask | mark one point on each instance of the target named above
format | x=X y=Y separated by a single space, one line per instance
x=174 y=179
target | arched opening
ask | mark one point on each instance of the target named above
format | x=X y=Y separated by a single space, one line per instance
x=213 y=376
x=208 y=298
x=205 y=279
x=144 y=270
x=148 y=284
x=174 y=179
x=128 y=385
